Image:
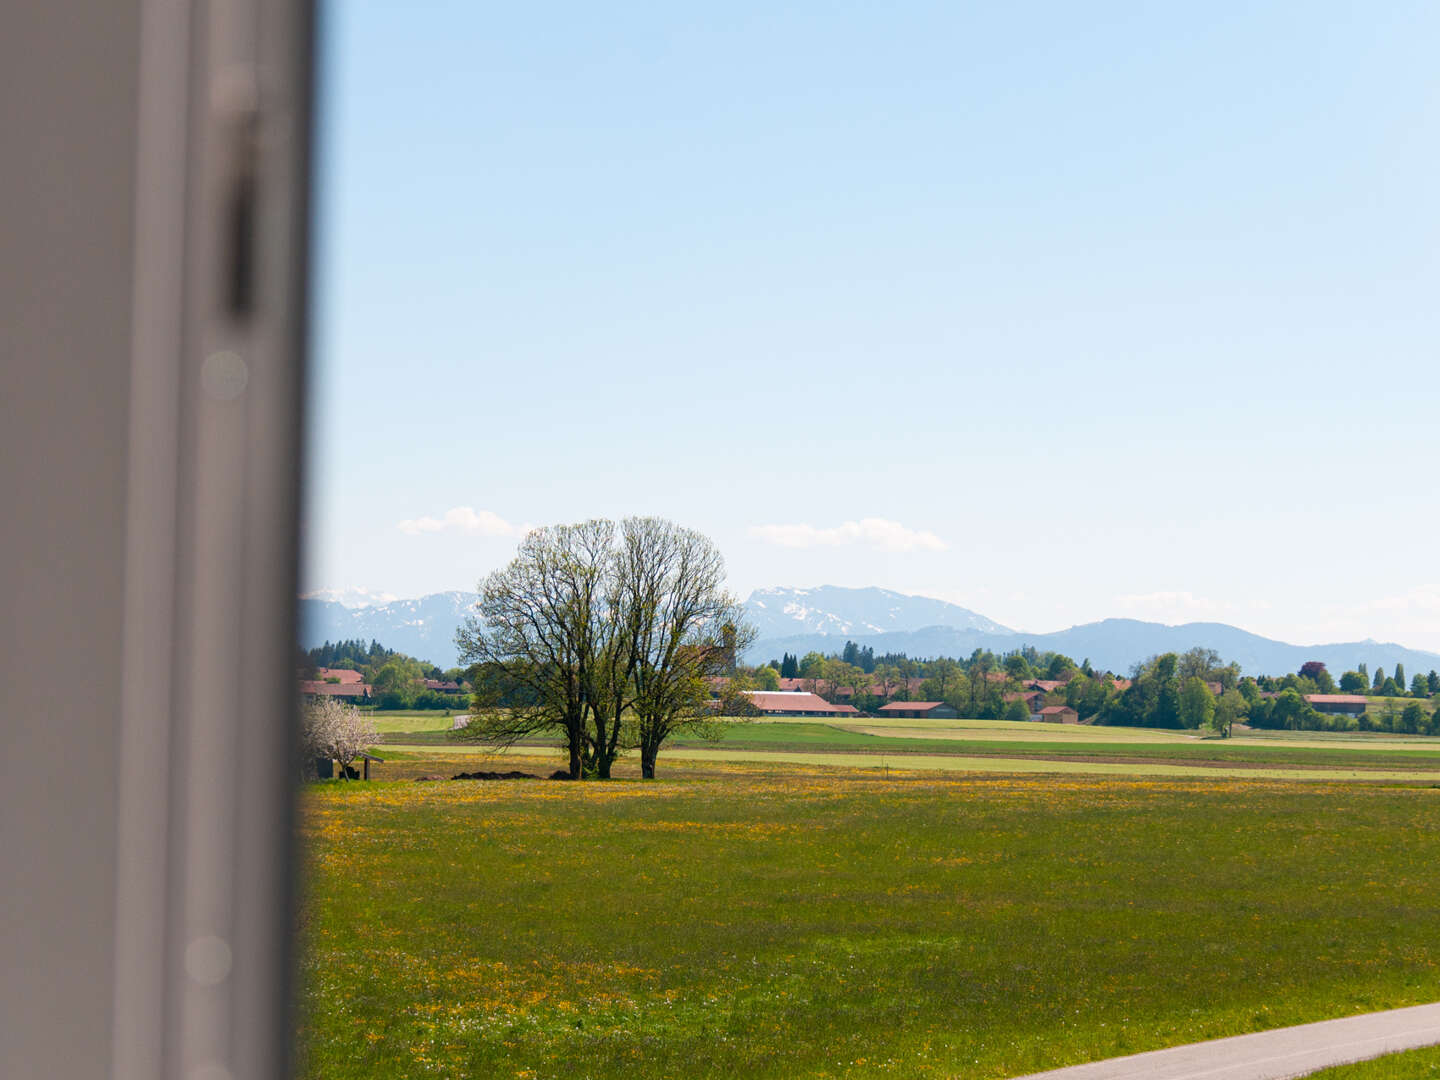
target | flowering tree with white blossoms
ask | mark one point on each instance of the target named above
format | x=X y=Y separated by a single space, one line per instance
x=332 y=729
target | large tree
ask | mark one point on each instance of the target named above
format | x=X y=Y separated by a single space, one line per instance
x=1229 y=707
x=396 y=682
x=1199 y=663
x=1354 y=682
x=766 y=677
x=679 y=625
x=607 y=637
x=1292 y=712
x=1197 y=704
x=538 y=640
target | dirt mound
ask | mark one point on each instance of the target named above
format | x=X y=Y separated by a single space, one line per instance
x=495 y=776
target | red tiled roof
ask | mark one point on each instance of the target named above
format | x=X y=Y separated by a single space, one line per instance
x=1051 y=710
x=796 y=701
x=345 y=675
x=1048 y=685
x=878 y=688
x=911 y=706
x=437 y=684
x=1337 y=699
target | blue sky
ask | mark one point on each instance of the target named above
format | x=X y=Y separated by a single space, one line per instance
x=1057 y=311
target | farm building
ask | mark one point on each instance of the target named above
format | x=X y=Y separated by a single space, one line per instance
x=1059 y=714
x=1031 y=701
x=920 y=710
x=356 y=692
x=1339 y=704
x=796 y=703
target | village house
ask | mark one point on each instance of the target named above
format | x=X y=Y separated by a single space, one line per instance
x=1338 y=704
x=796 y=703
x=1046 y=686
x=919 y=710
x=1058 y=714
x=337 y=683
x=444 y=686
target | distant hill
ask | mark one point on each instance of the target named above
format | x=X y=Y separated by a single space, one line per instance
x=1116 y=644
x=822 y=619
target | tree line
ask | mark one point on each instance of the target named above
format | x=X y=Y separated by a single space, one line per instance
x=1195 y=689
x=396 y=681
x=983 y=686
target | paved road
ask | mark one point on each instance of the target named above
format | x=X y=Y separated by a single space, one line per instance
x=1272 y=1055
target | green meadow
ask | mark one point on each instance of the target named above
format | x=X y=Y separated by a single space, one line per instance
x=989 y=746
x=1413 y=1065
x=789 y=920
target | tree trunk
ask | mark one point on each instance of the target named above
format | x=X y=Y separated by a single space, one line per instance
x=576 y=767
x=647 y=761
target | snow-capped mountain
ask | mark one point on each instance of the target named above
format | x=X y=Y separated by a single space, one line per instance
x=830 y=609
x=423 y=628
x=821 y=619
x=351 y=596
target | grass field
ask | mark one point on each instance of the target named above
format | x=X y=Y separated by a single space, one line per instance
x=991 y=746
x=421 y=726
x=1072 y=741
x=1414 y=1065
x=783 y=920
x=981 y=745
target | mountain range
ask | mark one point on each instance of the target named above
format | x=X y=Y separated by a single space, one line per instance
x=423 y=628
x=830 y=609
x=823 y=619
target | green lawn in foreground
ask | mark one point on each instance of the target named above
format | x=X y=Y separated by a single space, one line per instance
x=1414 y=1065
x=771 y=922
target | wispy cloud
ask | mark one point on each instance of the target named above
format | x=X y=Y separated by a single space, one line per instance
x=1165 y=606
x=465 y=520
x=1421 y=600
x=870 y=532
